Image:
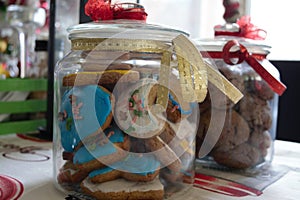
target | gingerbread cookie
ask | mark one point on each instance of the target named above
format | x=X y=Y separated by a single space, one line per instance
x=86 y=106
x=69 y=173
x=134 y=167
x=100 y=78
x=121 y=189
x=134 y=114
x=102 y=149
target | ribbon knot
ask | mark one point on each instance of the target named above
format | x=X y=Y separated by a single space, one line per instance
x=242 y=55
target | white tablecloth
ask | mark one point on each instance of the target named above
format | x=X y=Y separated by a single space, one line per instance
x=29 y=164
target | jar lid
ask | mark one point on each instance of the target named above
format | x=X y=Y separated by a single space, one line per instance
x=124 y=29
x=216 y=44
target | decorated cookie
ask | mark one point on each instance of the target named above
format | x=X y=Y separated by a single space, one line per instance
x=85 y=110
x=134 y=113
x=164 y=154
x=102 y=149
x=120 y=189
x=134 y=167
x=69 y=173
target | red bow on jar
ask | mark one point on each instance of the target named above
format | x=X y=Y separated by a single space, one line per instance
x=246 y=30
x=104 y=10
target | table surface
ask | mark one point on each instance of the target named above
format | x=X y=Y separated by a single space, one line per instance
x=28 y=164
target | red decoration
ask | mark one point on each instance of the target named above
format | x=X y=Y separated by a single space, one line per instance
x=246 y=30
x=103 y=10
x=254 y=60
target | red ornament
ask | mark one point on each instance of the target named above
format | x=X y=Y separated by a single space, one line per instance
x=99 y=10
x=103 y=10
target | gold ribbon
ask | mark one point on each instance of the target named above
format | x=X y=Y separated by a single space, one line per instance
x=115 y=44
x=194 y=73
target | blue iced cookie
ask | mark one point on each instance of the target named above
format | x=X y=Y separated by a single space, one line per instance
x=85 y=110
x=102 y=149
x=134 y=167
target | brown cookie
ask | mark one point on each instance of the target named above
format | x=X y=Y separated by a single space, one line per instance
x=69 y=173
x=101 y=150
x=234 y=132
x=261 y=89
x=134 y=167
x=121 y=189
x=100 y=78
x=164 y=154
x=256 y=111
x=261 y=140
x=240 y=157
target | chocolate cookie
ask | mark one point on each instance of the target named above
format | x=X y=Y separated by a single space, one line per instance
x=240 y=157
x=235 y=130
x=256 y=111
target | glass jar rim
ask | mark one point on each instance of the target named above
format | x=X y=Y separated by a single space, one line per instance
x=216 y=44
x=133 y=29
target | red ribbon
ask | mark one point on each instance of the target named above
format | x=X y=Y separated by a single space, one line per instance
x=252 y=59
x=104 y=10
x=246 y=30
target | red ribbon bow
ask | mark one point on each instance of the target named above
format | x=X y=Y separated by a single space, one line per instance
x=104 y=10
x=243 y=55
x=246 y=30
x=249 y=30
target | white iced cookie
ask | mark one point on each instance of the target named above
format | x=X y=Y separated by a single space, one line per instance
x=134 y=110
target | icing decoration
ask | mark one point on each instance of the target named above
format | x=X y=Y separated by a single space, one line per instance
x=85 y=154
x=104 y=10
x=178 y=107
x=133 y=111
x=122 y=185
x=69 y=135
x=82 y=107
x=99 y=145
x=141 y=164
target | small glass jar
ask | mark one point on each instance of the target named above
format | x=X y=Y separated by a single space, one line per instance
x=244 y=136
x=121 y=126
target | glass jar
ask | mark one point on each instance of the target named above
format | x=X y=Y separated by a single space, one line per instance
x=244 y=136
x=121 y=124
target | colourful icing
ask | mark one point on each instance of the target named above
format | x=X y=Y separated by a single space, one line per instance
x=95 y=110
x=97 y=172
x=98 y=148
x=141 y=164
x=86 y=154
x=84 y=110
x=69 y=135
x=133 y=114
x=175 y=103
x=114 y=134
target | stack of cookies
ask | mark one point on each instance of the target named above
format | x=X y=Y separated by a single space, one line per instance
x=245 y=138
x=114 y=143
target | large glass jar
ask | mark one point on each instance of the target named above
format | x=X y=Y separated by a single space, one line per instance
x=244 y=135
x=122 y=127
